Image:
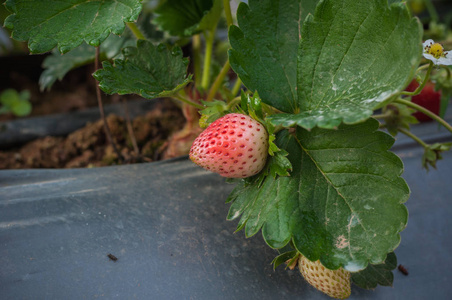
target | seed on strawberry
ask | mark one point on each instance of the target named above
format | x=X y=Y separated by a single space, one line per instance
x=234 y=146
x=334 y=283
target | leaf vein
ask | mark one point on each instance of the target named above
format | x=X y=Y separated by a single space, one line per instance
x=343 y=58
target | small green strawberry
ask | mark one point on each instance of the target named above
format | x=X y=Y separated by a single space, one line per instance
x=334 y=283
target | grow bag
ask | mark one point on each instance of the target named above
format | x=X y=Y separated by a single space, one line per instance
x=20 y=131
x=164 y=223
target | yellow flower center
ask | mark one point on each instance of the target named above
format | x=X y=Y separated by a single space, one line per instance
x=436 y=50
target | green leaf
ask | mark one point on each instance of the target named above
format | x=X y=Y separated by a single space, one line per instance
x=210 y=19
x=67 y=23
x=57 y=65
x=148 y=70
x=252 y=106
x=213 y=110
x=354 y=56
x=264 y=48
x=149 y=29
x=21 y=108
x=279 y=164
x=396 y=1
x=8 y=97
x=282 y=258
x=373 y=275
x=15 y=102
x=342 y=204
x=186 y=18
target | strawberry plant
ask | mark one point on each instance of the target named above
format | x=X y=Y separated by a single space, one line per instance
x=319 y=182
x=13 y=102
x=428 y=98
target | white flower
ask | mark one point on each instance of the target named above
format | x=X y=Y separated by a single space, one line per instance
x=435 y=52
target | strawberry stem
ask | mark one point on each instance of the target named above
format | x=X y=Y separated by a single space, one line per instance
x=185 y=100
x=233 y=102
x=210 y=38
x=218 y=81
x=136 y=31
x=227 y=11
x=237 y=86
x=431 y=10
x=447 y=70
x=422 y=68
x=102 y=113
x=196 y=46
x=426 y=112
x=421 y=86
x=382 y=116
x=224 y=71
x=130 y=128
x=414 y=137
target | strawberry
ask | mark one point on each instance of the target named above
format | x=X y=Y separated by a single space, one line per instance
x=334 y=283
x=428 y=98
x=234 y=146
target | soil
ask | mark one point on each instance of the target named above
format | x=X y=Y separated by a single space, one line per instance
x=89 y=147
x=158 y=133
x=75 y=92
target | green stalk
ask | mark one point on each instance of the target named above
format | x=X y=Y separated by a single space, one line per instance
x=421 y=86
x=426 y=112
x=196 y=46
x=227 y=11
x=102 y=112
x=422 y=68
x=236 y=87
x=414 y=137
x=210 y=37
x=136 y=31
x=447 y=70
x=431 y=10
x=224 y=71
x=218 y=81
x=382 y=116
x=233 y=102
x=185 y=100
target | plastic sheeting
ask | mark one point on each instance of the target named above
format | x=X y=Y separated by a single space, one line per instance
x=165 y=224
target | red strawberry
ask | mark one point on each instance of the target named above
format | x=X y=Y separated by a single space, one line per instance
x=234 y=146
x=428 y=98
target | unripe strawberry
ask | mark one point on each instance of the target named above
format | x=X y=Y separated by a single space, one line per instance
x=334 y=283
x=234 y=146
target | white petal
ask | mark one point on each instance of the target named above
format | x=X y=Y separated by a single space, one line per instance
x=428 y=43
x=432 y=58
x=447 y=61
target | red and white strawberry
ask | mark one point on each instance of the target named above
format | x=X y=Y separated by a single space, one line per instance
x=334 y=283
x=234 y=146
x=428 y=98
